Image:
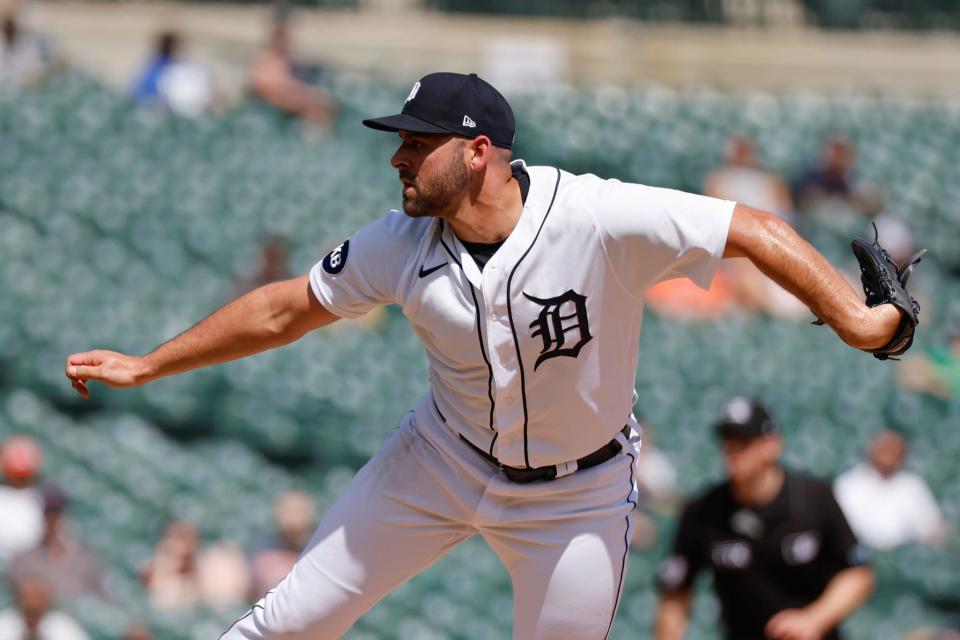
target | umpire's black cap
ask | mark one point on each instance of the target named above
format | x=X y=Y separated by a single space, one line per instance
x=456 y=103
x=745 y=418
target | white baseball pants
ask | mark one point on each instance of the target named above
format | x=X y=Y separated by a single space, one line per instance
x=564 y=542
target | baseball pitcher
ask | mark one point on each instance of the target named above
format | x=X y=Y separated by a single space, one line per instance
x=525 y=285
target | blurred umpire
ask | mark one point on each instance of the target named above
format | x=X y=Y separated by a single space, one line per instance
x=785 y=564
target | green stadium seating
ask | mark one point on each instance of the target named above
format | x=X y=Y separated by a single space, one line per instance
x=122 y=227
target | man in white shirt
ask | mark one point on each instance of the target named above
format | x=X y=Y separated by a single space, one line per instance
x=21 y=503
x=886 y=505
x=23 y=57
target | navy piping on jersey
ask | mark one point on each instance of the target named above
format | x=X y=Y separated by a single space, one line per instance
x=483 y=352
x=452 y=257
x=493 y=442
x=439 y=413
x=513 y=328
x=252 y=609
x=626 y=549
x=476 y=307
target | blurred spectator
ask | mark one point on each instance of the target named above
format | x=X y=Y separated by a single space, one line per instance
x=33 y=619
x=21 y=504
x=171 y=574
x=756 y=293
x=785 y=564
x=146 y=89
x=886 y=505
x=24 y=58
x=656 y=475
x=273 y=265
x=933 y=633
x=171 y=82
x=223 y=576
x=936 y=371
x=742 y=179
x=179 y=576
x=657 y=484
x=137 y=632
x=60 y=559
x=896 y=237
x=682 y=299
x=273 y=80
x=832 y=181
x=272 y=559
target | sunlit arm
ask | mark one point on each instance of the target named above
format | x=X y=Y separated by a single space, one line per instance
x=790 y=261
x=266 y=318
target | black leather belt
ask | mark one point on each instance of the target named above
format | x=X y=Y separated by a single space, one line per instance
x=538 y=474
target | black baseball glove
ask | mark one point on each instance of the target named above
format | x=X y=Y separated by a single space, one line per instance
x=884 y=282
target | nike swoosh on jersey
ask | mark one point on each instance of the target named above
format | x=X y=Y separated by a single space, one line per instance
x=425 y=272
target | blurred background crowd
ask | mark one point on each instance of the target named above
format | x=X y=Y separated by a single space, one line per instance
x=158 y=159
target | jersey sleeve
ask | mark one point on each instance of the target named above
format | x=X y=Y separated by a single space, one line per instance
x=841 y=549
x=652 y=234
x=678 y=571
x=364 y=271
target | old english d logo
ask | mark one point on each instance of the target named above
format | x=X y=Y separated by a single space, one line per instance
x=560 y=316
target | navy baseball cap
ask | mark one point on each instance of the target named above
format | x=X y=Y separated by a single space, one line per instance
x=744 y=419
x=445 y=103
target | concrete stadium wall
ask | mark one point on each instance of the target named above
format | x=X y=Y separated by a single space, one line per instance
x=395 y=40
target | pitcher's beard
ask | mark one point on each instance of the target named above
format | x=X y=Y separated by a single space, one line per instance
x=441 y=195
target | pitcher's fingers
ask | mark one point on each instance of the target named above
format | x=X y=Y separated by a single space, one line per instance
x=76 y=359
x=83 y=372
x=86 y=357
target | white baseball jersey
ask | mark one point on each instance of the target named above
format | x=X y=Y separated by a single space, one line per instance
x=533 y=358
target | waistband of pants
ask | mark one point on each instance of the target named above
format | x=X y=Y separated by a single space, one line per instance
x=539 y=474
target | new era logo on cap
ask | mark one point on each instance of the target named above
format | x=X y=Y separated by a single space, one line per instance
x=453 y=103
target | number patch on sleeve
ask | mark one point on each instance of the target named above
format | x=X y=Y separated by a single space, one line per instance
x=336 y=260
